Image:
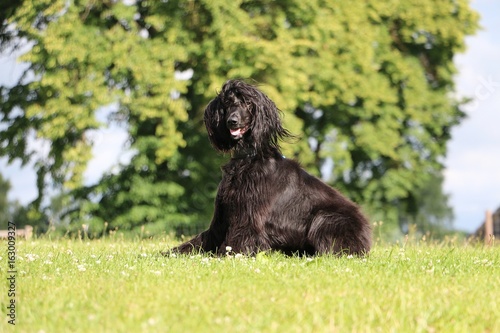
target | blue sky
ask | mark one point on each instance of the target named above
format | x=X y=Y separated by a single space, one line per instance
x=472 y=174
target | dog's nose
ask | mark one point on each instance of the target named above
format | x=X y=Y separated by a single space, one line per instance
x=232 y=121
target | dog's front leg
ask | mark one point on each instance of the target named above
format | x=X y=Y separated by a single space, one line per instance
x=197 y=244
x=248 y=241
x=207 y=241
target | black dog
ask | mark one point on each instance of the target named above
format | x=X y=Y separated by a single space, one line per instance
x=266 y=201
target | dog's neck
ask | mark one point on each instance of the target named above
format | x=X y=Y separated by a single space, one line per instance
x=244 y=152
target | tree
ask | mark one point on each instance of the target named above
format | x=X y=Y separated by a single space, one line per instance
x=15 y=212
x=427 y=209
x=7 y=10
x=4 y=203
x=367 y=84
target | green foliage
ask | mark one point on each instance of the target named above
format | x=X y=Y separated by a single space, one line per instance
x=366 y=85
x=428 y=209
x=21 y=215
x=29 y=215
x=125 y=286
x=7 y=10
x=4 y=203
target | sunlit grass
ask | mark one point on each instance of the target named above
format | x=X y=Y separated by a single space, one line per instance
x=125 y=286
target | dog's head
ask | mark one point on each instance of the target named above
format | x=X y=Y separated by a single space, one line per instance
x=241 y=115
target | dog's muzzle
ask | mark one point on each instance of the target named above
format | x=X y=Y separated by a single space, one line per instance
x=236 y=129
x=237 y=133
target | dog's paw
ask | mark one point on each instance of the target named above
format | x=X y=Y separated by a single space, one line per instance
x=172 y=253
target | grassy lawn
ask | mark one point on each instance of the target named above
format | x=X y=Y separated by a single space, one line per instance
x=125 y=286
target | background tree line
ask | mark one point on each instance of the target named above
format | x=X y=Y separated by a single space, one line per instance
x=366 y=85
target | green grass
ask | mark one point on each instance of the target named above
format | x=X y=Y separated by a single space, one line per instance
x=124 y=286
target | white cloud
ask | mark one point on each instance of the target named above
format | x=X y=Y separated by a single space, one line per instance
x=109 y=150
x=22 y=181
x=474 y=172
x=472 y=176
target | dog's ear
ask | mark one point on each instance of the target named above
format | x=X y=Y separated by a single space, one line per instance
x=216 y=127
x=266 y=126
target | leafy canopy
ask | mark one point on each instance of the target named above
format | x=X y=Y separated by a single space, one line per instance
x=365 y=84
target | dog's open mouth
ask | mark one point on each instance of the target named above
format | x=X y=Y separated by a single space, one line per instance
x=237 y=133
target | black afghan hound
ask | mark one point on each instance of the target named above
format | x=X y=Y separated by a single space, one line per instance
x=266 y=201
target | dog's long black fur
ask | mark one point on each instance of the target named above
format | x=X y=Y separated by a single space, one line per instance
x=266 y=201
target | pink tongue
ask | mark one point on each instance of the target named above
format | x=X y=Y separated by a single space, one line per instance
x=235 y=131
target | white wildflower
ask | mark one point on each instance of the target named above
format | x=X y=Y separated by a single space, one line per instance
x=31 y=257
